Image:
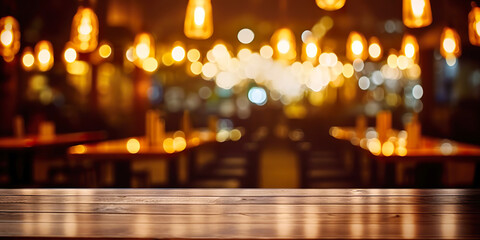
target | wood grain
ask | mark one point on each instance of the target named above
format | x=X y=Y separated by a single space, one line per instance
x=241 y=213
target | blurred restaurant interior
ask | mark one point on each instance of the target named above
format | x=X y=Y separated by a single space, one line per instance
x=240 y=93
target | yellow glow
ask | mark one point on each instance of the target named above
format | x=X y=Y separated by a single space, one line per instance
x=79 y=149
x=401 y=151
x=402 y=62
x=388 y=148
x=198 y=19
x=356 y=44
x=374 y=146
x=150 y=64
x=450 y=43
x=375 y=49
x=168 y=145
x=348 y=70
x=284 y=41
x=312 y=50
x=142 y=50
x=167 y=59
x=196 y=68
x=105 y=51
x=144 y=46
x=410 y=47
x=133 y=145
x=28 y=59
x=70 y=55
x=330 y=5
x=44 y=55
x=392 y=61
x=84 y=32
x=417 y=13
x=474 y=26
x=235 y=135
x=9 y=38
x=266 y=51
x=6 y=37
x=179 y=144
x=78 y=68
x=193 y=55
x=178 y=53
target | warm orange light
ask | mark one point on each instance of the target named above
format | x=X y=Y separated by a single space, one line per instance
x=356 y=46
x=450 y=45
x=168 y=145
x=150 y=64
x=84 y=33
x=330 y=5
x=410 y=47
x=9 y=37
x=375 y=49
x=79 y=149
x=178 y=52
x=310 y=50
x=179 y=144
x=283 y=41
x=417 y=13
x=198 y=19
x=374 y=146
x=44 y=55
x=69 y=54
x=388 y=148
x=105 y=50
x=133 y=145
x=28 y=59
x=143 y=48
x=474 y=26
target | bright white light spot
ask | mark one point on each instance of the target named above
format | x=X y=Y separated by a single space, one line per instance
x=451 y=61
x=283 y=46
x=357 y=47
x=209 y=70
x=266 y=51
x=311 y=50
x=364 y=83
x=44 y=56
x=142 y=50
x=178 y=53
x=374 y=50
x=245 y=36
x=449 y=45
x=70 y=55
x=199 y=16
x=6 y=37
x=257 y=95
x=417 y=92
x=409 y=50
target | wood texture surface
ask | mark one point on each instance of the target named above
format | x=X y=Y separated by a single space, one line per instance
x=241 y=213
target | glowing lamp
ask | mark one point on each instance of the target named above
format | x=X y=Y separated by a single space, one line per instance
x=9 y=37
x=474 y=26
x=356 y=46
x=417 y=13
x=410 y=47
x=28 y=59
x=283 y=41
x=69 y=54
x=375 y=49
x=330 y=5
x=310 y=50
x=143 y=48
x=84 y=33
x=450 y=45
x=198 y=19
x=44 y=55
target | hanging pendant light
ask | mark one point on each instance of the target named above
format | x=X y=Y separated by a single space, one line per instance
x=9 y=38
x=474 y=25
x=356 y=46
x=450 y=45
x=198 y=19
x=84 y=33
x=283 y=41
x=44 y=55
x=330 y=5
x=144 y=52
x=417 y=13
x=375 y=50
x=310 y=50
x=410 y=47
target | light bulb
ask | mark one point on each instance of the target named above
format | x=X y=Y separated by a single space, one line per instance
x=44 y=55
x=84 y=33
x=417 y=13
x=450 y=45
x=410 y=47
x=28 y=59
x=284 y=42
x=143 y=48
x=356 y=46
x=9 y=37
x=198 y=19
x=474 y=26
x=375 y=49
x=330 y=5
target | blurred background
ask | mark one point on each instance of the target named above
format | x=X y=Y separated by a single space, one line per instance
x=271 y=78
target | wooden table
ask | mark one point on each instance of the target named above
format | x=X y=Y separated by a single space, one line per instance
x=241 y=213
x=118 y=152
x=431 y=150
x=21 y=151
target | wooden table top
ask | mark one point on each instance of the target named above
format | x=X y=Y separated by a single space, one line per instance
x=241 y=213
x=430 y=149
x=138 y=147
x=12 y=143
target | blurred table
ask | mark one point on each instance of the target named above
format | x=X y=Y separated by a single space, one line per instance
x=20 y=151
x=123 y=152
x=430 y=150
x=240 y=213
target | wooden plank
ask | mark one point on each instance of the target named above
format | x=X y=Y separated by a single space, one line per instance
x=245 y=200
x=241 y=192
x=238 y=209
